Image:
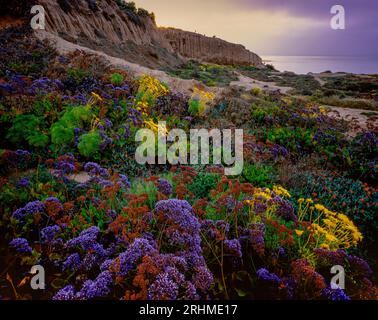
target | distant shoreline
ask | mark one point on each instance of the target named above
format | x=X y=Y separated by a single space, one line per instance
x=359 y=65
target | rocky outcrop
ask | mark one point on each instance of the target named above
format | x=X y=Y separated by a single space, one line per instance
x=127 y=33
x=196 y=46
x=103 y=26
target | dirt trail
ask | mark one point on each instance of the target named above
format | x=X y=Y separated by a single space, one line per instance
x=358 y=118
x=249 y=83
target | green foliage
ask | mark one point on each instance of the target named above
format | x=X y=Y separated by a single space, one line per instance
x=209 y=74
x=62 y=132
x=259 y=175
x=203 y=183
x=116 y=79
x=26 y=128
x=77 y=74
x=89 y=144
x=294 y=139
x=194 y=107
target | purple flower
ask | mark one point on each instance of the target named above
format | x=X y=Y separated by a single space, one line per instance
x=284 y=209
x=164 y=187
x=164 y=288
x=67 y=293
x=72 y=262
x=136 y=251
x=190 y=291
x=21 y=245
x=124 y=181
x=23 y=183
x=86 y=238
x=336 y=294
x=182 y=225
x=265 y=275
x=96 y=288
x=359 y=266
x=30 y=208
x=94 y=169
x=203 y=278
x=279 y=151
x=48 y=234
x=233 y=247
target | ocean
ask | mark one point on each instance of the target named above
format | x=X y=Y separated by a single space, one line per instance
x=317 y=64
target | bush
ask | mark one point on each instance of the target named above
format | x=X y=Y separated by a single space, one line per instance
x=203 y=183
x=258 y=175
x=89 y=144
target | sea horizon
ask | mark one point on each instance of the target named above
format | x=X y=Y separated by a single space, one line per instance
x=303 y=64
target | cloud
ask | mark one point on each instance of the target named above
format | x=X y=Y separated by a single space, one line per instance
x=295 y=27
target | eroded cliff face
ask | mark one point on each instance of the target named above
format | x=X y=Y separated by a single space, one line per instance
x=128 y=34
x=104 y=26
x=196 y=46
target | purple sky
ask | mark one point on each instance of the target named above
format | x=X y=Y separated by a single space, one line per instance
x=359 y=38
x=276 y=27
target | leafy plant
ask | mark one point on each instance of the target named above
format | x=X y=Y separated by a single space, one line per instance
x=27 y=128
x=116 y=79
x=258 y=175
x=89 y=144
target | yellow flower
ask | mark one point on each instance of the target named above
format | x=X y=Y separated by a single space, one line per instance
x=278 y=190
x=324 y=246
x=96 y=96
x=299 y=232
x=301 y=200
x=319 y=207
x=308 y=200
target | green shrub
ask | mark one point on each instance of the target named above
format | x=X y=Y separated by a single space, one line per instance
x=26 y=128
x=62 y=132
x=203 y=183
x=258 y=175
x=89 y=144
x=116 y=79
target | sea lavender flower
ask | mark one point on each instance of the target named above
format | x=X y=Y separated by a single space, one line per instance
x=86 y=238
x=164 y=187
x=336 y=294
x=233 y=247
x=67 y=293
x=137 y=250
x=48 y=234
x=94 y=169
x=163 y=288
x=96 y=288
x=265 y=275
x=30 y=208
x=284 y=209
x=21 y=245
x=359 y=266
x=183 y=226
x=72 y=262
x=203 y=278
x=23 y=183
x=279 y=151
x=23 y=153
x=190 y=291
x=124 y=181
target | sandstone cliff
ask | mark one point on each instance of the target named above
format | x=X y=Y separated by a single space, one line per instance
x=127 y=33
x=196 y=46
x=105 y=27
